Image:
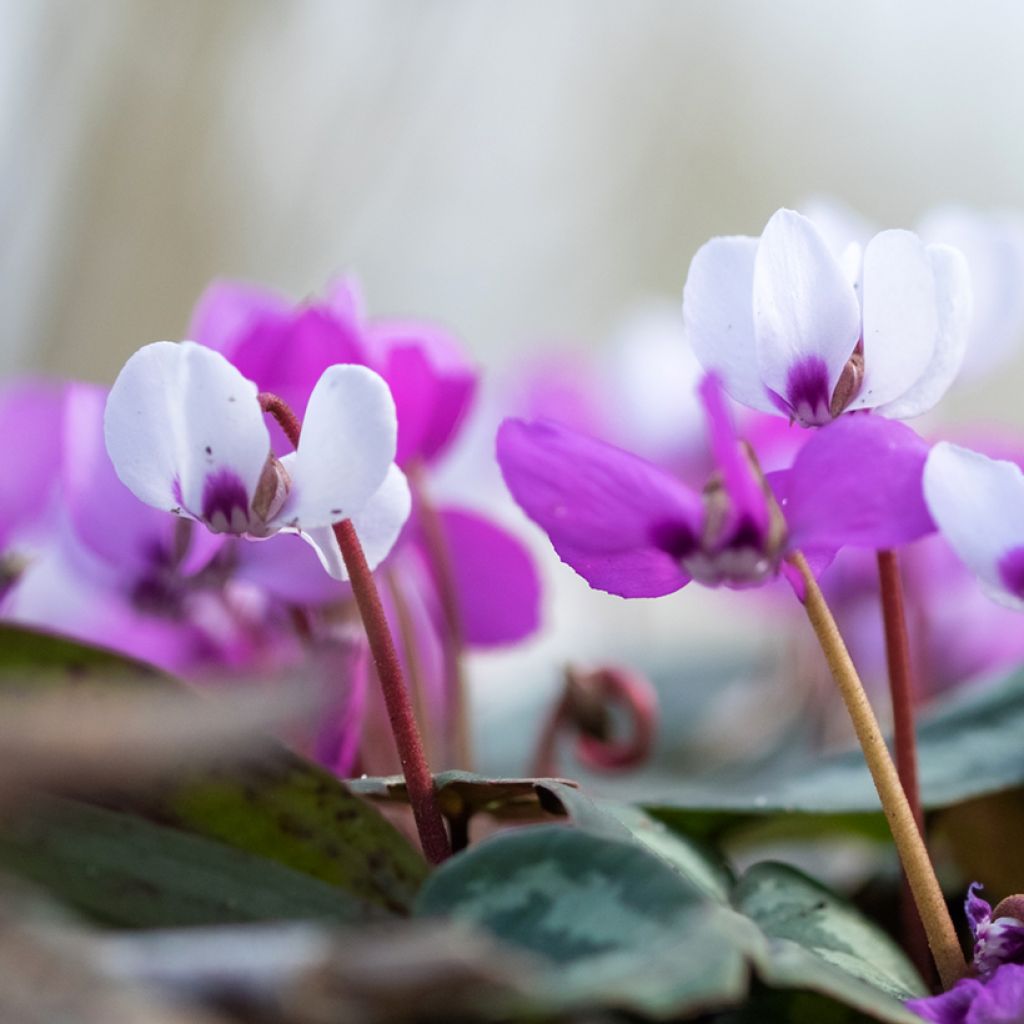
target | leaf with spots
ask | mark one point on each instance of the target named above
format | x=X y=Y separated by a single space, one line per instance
x=279 y=806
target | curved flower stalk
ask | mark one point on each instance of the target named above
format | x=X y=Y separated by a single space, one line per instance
x=794 y=331
x=186 y=434
x=476 y=585
x=992 y=242
x=976 y=503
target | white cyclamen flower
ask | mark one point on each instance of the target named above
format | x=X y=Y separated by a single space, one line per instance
x=978 y=505
x=792 y=329
x=992 y=242
x=186 y=433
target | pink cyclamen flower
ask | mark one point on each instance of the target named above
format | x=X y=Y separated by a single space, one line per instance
x=285 y=348
x=997 y=999
x=631 y=528
x=793 y=330
x=998 y=940
x=186 y=434
x=976 y=502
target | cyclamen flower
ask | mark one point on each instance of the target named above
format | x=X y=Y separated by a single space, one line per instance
x=993 y=245
x=794 y=331
x=633 y=529
x=976 y=503
x=996 y=994
x=186 y=433
x=996 y=941
x=996 y=1000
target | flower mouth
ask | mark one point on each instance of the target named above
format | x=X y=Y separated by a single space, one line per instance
x=225 y=505
x=809 y=400
x=739 y=547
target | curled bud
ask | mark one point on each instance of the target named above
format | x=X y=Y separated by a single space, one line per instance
x=588 y=707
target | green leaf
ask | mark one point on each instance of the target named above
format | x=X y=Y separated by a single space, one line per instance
x=282 y=808
x=122 y=870
x=620 y=927
x=967 y=747
x=791 y=908
x=624 y=928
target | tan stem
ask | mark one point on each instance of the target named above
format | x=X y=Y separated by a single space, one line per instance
x=931 y=905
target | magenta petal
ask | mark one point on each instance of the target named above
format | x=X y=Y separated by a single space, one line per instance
x=495 y=580
x=431 y=380
x=622 y=523
x=747 y=504
x=858 y=482
x=227 y=310
x=287 y=353
x=30 y=420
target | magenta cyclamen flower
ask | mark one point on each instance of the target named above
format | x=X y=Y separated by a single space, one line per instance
x=186 y=433
x=996 y=1000
x=794 y=331
x=633 y=529
x=976 y=503
x=996 y=994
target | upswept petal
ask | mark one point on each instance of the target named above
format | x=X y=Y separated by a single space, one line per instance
x=378 y=525
x=288 y=353
x=806 y=313
x=432 y=382
x=103 y=513
x=901 y=320
x=977 y=504
x=838 y=224
x=718 y=317
x=747 y=504
x=622 y=523
x=178 y=416
x=494 y=577
x=345 y=451
x=228 y=309
x=954 y=310
x=857 y=482
x=993 y=244
x=30 y=421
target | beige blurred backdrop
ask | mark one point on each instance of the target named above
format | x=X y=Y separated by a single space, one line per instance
x=525 y=172
x=521 y=171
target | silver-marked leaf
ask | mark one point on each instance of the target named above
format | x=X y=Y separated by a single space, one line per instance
x=789 y=907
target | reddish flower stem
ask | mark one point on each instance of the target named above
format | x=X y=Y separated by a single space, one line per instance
x=418 y=779
x=897 y=655
x=437 y=549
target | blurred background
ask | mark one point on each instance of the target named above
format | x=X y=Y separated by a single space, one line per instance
x=526 y=173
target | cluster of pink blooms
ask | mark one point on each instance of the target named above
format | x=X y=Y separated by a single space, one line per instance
x=171 y=519
x=127 y=516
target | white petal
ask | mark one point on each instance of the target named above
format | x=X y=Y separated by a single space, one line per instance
x=901 y=322
x=718 y=318
x=840 y=225
x=178 y=416
x=377 y=526
x=978 y=505
x=345 y=450
x=953 y=298
x=993 y=245
x=806 y=313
